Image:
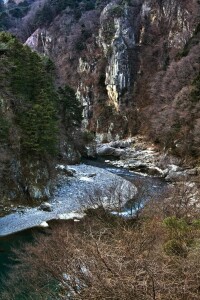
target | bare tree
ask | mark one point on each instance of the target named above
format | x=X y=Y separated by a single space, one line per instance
x=116 y=259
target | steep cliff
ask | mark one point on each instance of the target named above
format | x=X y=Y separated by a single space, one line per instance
x=113 y=55
x=37 y=123
x=134 y=66
x=98 y=55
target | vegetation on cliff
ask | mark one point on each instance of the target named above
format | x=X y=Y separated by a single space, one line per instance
x=156 y=42
x=29 y=100
x=12 y=12
x=32 y=99
x=175 y=108
x=33 y=114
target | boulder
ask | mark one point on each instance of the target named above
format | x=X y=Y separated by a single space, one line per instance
x=44 y=224
x=64 y=170
x=173 y=176
x=192 y=172
x=174 y=168
x=175 y=173
x=106 y=150
x=46 y=206
x=138 y=165
x=121 y=144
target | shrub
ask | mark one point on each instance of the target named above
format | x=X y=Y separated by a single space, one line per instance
x=174 y=247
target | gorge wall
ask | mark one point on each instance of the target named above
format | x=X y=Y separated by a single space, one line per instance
x=133 y=64
x=115 y=53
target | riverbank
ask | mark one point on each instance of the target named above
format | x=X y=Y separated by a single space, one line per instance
x=89 y=186
x=139 y=155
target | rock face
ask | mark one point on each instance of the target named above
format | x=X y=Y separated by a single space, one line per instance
x=24 y=180
x=101 y=49
x=110 y=53
x=118 y=36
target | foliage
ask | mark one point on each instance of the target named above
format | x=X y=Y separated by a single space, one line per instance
x=34 y=98
x=181 y=235
x=72 y=257
x=176 y=98
x=70 y=107
x=12 y=12
x=4 y=129
x=195 y=94
x=52 y=8
x=40 y=126
x=117 y=11
x=36 y=105
x=88 y=137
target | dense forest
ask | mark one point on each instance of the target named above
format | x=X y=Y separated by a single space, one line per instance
x=34 y=114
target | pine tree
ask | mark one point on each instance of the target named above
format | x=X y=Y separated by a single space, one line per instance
x=70 y=107
x=40 y=126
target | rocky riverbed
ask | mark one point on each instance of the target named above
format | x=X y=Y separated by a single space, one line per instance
x=138 y=155
x=82 y=186
x=87 y=186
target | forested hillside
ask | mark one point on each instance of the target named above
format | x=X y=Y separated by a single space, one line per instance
x=133 y=65
x=34 y=116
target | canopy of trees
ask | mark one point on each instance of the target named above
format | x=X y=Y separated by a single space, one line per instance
x=34 y=101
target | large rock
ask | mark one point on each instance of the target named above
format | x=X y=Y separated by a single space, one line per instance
x=121 y=143
x=175 y=173
x=106 y=150
x=46 y=206
x=176 y=176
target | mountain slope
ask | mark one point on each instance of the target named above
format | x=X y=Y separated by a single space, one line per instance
x=36 y=122
x=118 y=57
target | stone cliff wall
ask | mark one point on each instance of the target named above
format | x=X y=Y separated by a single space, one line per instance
x=109 y=56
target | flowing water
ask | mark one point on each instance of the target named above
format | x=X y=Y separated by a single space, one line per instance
x=151 y=185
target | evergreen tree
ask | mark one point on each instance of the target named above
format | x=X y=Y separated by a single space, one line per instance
x=40 y=126
x=70 y=107
x=34 y=98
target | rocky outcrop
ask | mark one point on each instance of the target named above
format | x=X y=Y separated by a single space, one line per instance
x=101 y=50
x=24 y=181
x=118 y=36
x=109 y=53
x=139 y=155
x=106 y=150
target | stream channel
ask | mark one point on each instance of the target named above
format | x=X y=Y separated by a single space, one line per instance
x=153 y=187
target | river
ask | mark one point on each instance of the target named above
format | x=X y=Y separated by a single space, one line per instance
x=152 y=186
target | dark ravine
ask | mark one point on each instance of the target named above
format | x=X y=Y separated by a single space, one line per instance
x=120 y=58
